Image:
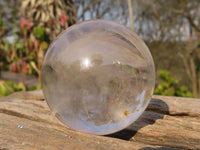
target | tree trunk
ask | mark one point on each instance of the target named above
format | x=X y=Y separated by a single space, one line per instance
x=130 y=10
x=194 y=76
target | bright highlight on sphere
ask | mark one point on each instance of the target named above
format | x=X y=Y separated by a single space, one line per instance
x=86 y=63
x=98 y=77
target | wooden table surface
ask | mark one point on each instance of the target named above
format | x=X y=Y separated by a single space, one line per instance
x=168 y=123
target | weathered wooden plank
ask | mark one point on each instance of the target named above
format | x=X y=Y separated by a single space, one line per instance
x=39 y=135
x=175 y=106
x=168 y=123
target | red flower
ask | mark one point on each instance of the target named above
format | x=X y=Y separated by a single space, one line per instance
x=63 y=19
x=28 y=26
x=25 y=68
x=22 y=24
x=14 y=68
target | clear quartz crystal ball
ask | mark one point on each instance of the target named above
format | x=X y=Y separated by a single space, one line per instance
x=98 y=77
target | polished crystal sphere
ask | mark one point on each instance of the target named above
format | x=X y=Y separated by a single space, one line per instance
x=98 y=77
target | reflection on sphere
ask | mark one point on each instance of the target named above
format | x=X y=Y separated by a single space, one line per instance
x=98 y=77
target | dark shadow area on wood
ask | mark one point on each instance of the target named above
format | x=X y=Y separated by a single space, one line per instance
x=155 y=110
x=159 y=148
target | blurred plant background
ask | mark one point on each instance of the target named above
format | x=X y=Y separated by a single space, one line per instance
x=171 y=29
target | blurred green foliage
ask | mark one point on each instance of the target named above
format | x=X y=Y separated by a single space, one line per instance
x=31 y=33
x=170 y=87
x=39 y=33
x=38 y=23
x=8 y=87
x=1 y=22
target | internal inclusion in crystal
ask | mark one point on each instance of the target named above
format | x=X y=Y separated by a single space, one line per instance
x=98 y=77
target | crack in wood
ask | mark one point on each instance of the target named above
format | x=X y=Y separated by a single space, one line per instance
x=17 y=114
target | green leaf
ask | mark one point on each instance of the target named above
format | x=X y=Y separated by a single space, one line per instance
x=1 y=22
x=32 y=88
x=21 y=87
x=39 y=33
x=6 y=46
x=3 y=90
x=19 y=45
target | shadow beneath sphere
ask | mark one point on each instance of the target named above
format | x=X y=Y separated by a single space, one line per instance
x=155 y=110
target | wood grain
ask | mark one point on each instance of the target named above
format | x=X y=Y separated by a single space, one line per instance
x=168 y=123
